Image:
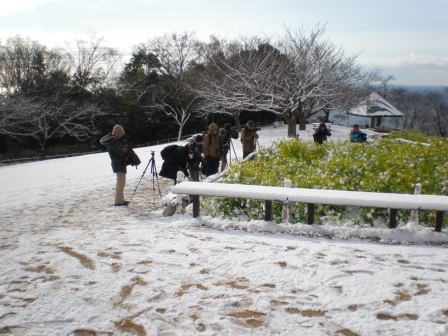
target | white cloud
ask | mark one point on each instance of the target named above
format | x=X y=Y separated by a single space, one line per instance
x=16 y=6
x=410 y=59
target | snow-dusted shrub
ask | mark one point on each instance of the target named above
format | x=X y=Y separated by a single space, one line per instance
x=385 y=166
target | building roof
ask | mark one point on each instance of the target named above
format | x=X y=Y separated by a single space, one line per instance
x=375 y=106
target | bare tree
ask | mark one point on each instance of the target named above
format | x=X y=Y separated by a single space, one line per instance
x=93 y=62
x=385 y=84
x=437 y=106
x=43 y=120
x=26 y=64
x=177 y=56
x=294 y=77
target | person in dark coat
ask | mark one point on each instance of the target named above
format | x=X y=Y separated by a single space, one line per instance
x=210 y=148
x=174 y=159
x=194 y=160
x=226 y=135
x=249 y=137
x=117 y=152
x=321 y=134
x=356 y=135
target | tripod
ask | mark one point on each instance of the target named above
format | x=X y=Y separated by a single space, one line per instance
x=230 y=151
x=155 y=176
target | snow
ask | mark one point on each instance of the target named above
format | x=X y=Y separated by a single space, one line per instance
x=376 y=106
x=72 y=264
x=412 y=142
x=332 y=197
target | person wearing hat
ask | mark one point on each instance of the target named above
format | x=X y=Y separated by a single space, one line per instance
x=248 y=138
x=117 y=152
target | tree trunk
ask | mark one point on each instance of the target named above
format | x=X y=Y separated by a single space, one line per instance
x=236 y=119
x=43 y=147
x=327 y=116
x=292 y=126
x=179 y=134
x=302 y=123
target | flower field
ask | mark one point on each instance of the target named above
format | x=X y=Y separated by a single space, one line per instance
x=384 y=166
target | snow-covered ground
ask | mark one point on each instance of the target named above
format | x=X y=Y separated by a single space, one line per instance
x=73 y=264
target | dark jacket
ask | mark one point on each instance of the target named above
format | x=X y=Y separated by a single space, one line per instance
x=224 y=139
x=117 y=152
x=321 y=134
x=358 y=136
x=174 y=159
x=194 y=155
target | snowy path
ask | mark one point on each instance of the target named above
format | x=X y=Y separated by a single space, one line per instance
x=84 y=266
x=72 y=264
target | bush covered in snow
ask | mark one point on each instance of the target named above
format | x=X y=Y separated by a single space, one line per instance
x=384 y=166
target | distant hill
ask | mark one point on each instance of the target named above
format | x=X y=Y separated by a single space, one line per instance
x=424 y=88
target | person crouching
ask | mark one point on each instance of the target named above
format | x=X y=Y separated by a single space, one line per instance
x=174 y=160
x=210 y=148
x=117 y=152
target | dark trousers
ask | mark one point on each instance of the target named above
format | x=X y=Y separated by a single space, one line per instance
x=224 y=160
x=212 y=165
x=194 y=174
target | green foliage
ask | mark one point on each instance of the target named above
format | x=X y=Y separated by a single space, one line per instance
x=417 y=136
x=385 y=166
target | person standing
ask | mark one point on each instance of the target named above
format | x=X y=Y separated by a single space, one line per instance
x=195 y=157
x=321 y=134
x=249 y=137
x=210 y=148
x=226 y=135
x=117 y=152
x=356 y=135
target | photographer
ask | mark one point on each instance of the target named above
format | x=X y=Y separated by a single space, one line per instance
x=249 y=137
x=118 y=152
x=174 y=159
x=210 y=148
x=321 y=134
x=226 y=135
x=194 y=160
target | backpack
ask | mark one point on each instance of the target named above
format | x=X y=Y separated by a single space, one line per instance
x=132 y=158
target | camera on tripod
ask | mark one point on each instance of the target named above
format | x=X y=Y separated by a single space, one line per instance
x=155 y=177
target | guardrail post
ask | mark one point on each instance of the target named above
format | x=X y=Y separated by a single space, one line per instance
x=310 y=213
x=268 y=211
x=439 y=221
x=179 y=206
x=414 y=213
x=196 y=206
x=285 y=211
x=392 y=218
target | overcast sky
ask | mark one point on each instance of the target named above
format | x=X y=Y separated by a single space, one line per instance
x=405 y=38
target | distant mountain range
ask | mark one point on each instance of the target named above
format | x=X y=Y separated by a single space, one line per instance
x=424 y=88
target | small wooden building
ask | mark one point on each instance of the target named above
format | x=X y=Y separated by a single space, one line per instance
x=376 y=107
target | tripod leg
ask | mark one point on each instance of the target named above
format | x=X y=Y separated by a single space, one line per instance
x=234 y=151
x=155 y=177
x=141 y=177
